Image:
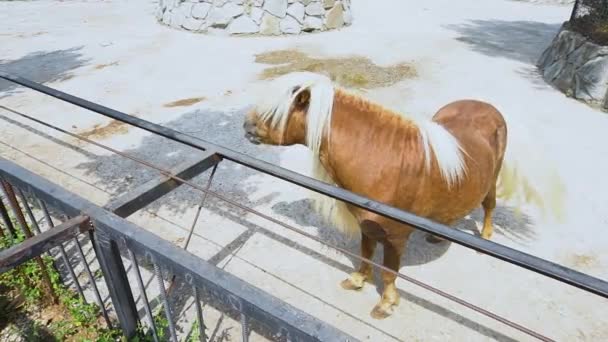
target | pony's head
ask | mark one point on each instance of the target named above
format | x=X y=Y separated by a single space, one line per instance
x=295 y=110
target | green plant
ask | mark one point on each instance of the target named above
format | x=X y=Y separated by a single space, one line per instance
x=81 y=318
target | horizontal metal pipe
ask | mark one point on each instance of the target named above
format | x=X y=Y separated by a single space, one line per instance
x=33 y=247
x=510 y=255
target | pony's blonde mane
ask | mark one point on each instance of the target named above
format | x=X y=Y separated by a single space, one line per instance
x=276 y=110
x=435 y=139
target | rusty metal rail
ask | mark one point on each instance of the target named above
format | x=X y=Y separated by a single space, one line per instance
x=41 y=243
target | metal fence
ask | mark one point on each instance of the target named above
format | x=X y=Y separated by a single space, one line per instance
x=111 y=233
x=590 y=18
x=112 y=239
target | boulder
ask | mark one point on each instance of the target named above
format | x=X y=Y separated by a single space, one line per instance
x=277 y=8
x=243 y=25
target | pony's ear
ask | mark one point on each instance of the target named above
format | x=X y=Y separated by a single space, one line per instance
x=303 y=98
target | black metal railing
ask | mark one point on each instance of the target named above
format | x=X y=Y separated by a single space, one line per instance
x=212 y=154
x=115 y=240
x=510 y=255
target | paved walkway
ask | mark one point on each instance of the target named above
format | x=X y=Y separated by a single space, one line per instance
x=114 y=53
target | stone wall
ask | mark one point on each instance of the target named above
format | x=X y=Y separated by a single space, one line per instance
x=577 y=67
x=263 y=17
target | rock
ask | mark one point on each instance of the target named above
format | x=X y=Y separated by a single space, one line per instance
x=276 y=7
x=564 y=77
x=335 y=17
x=167 y=17
x=201 y=10
x=186 y=9
x=258 y=3
x=177 y=18
x=305 y=2
x=290 y=25
x=256 y=14
x=291 y=1
x=577 y=67
x=270 y=25
x=314 y=8
x=348 y=17
x=296 y=10
x=222 y=16
x=312 y=23
x=328 y=3
x=193 y=24
x=242 y=25
x=593 y=78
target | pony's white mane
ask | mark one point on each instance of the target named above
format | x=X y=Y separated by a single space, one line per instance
x=275 y=109
x=447 y=150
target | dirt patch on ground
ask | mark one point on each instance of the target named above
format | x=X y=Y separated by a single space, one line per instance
x=582 y=261
x=353 y=72
x=101 y=132
x=103 y=66
x=184 y=102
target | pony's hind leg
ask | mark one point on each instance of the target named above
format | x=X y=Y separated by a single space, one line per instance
x=489 y=203
x=365 y=272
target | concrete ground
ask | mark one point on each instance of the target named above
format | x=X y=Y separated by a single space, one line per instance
x=114 y=53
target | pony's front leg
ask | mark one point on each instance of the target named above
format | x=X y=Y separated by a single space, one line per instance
x=390 y=297
x=366 y=272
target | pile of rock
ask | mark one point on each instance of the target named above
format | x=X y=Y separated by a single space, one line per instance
x=264 y=17
x=577 y=67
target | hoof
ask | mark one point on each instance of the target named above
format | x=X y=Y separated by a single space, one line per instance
x=348 y=284
x=486 y=235
x=434 y=239
x=382 y=311
x=355 y=282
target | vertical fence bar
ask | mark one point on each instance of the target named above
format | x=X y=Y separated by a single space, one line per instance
x=102 y=307
x=142 y=290
x=64 y=255
x=12 y=199
x=28 y=210
x=116 y=278
x=163 y=296
x=244 y=327
x=7 y=220
x=199 y=316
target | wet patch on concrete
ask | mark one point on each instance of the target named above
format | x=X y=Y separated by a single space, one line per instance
x=98 y=131
x=353 y=72
x=184 y=102
x=103 y=66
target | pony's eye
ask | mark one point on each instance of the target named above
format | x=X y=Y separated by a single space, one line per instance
x=294 y=89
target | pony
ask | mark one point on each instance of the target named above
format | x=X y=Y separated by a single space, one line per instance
x=441 y=169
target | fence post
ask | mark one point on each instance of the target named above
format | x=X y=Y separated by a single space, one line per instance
x=116 y=279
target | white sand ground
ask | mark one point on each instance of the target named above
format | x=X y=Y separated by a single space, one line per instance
x=464 y=49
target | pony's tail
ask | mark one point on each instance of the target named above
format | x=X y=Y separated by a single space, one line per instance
x=514 y=187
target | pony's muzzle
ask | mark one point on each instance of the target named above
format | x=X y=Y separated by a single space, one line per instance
x=250 y=132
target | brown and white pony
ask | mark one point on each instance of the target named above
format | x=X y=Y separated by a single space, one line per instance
x=440 y=169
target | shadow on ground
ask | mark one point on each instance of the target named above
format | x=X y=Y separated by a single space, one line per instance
x=42 y=67
x=507 y=222
x=522 y=41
